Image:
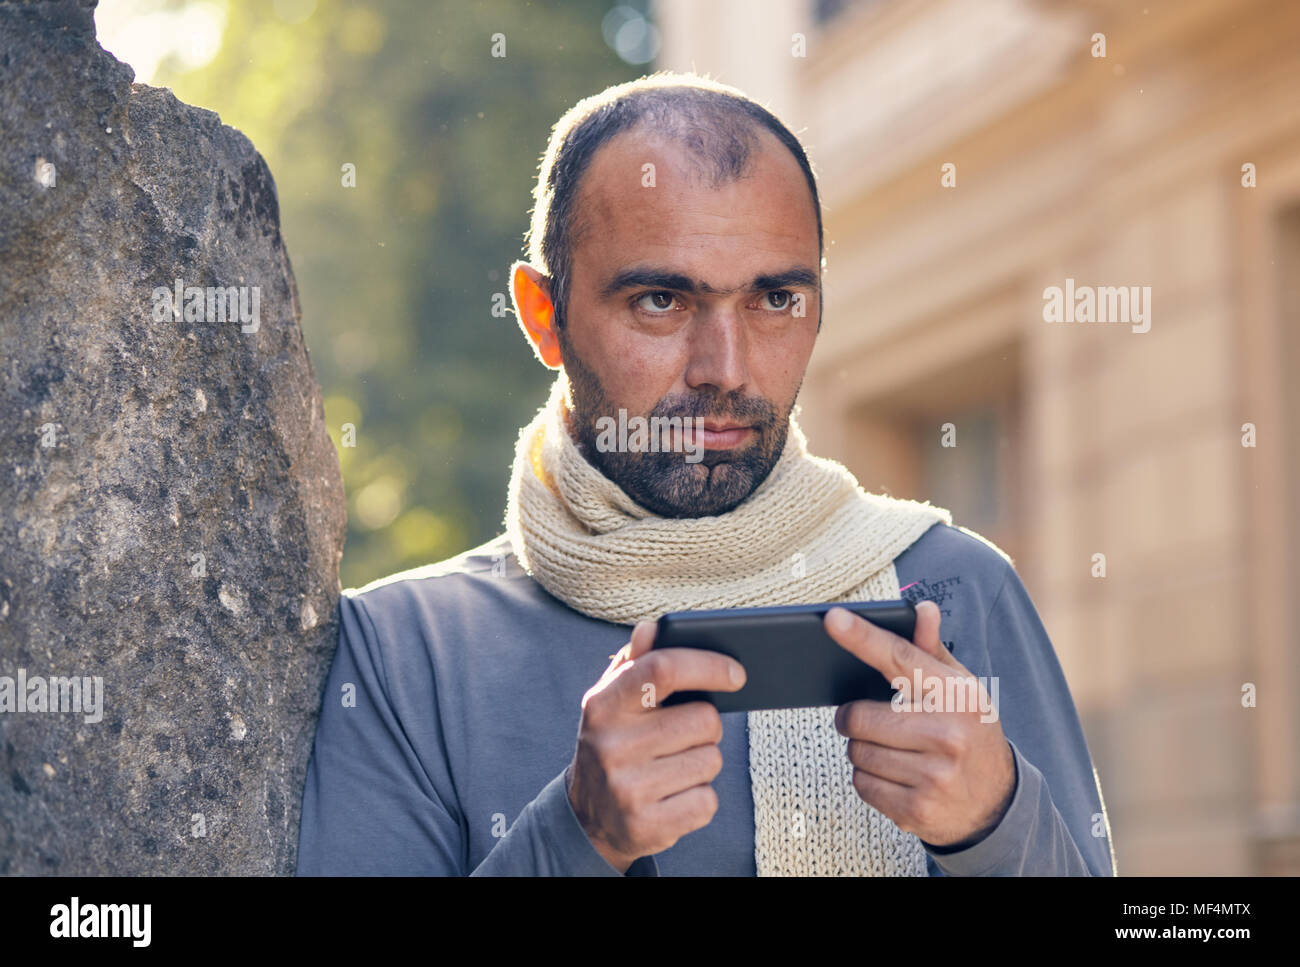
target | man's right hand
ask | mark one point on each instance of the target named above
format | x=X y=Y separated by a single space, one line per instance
x=639 y=779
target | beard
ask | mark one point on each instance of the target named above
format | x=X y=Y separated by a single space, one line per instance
x=664 y=482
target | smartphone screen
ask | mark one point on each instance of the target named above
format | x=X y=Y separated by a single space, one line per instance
x=789 y=659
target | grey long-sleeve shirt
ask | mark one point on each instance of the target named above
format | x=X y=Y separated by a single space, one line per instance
x=453 y=703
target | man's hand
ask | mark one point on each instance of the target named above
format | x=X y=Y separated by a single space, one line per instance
x=639 y=779
x=944 y=775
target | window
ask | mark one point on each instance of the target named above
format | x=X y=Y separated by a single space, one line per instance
x=825 y=11
x=897 y=440
x=968 y=478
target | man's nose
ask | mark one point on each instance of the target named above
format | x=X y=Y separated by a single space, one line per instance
x=718 y=351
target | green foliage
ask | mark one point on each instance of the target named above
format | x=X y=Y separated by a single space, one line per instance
x=396 y=276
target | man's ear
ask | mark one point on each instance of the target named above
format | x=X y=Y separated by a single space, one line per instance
x=536 y=312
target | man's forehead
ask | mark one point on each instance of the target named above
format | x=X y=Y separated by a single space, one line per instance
x=630 y=213
x=638 y=162
x=639 y=146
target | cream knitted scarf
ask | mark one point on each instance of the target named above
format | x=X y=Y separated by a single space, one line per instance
x=808 y=534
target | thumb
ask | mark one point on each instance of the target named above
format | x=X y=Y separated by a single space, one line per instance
x=643 y=636
x=926 y=635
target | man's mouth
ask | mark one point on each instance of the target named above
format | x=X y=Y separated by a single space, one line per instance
x=718 y=434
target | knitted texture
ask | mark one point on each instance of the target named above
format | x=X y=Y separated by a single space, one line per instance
x=807 y=534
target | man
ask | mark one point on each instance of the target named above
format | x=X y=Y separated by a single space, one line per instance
x=489 y=714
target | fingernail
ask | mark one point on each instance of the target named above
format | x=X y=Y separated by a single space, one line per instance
x=839 y=620
x=737 y=674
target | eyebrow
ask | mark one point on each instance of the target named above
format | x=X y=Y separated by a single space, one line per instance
x=656 y=278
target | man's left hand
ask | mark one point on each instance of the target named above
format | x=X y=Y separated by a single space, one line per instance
x=945 y=775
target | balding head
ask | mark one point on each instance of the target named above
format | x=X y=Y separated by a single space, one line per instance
x=717 y=126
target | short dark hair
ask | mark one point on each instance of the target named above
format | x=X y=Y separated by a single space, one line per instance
x=716 y=122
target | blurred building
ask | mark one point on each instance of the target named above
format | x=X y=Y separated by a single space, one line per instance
x=1076 y=439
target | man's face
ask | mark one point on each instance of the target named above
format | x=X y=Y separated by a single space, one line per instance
x=687 y=301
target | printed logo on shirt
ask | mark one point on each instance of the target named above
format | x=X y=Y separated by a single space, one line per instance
x=940 y=591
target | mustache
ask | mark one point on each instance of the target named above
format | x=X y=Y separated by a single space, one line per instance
x=753 y=410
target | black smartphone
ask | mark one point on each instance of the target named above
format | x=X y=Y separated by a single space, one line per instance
x=789 y=659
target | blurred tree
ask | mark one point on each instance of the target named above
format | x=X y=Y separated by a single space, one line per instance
x=397 y=274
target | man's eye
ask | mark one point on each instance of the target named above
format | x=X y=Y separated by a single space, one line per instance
x=782 y=299
x=660 y=302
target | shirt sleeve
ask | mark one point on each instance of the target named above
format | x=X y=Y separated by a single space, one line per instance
x=548 y=839
x=1056 y=824
x=374 y=806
